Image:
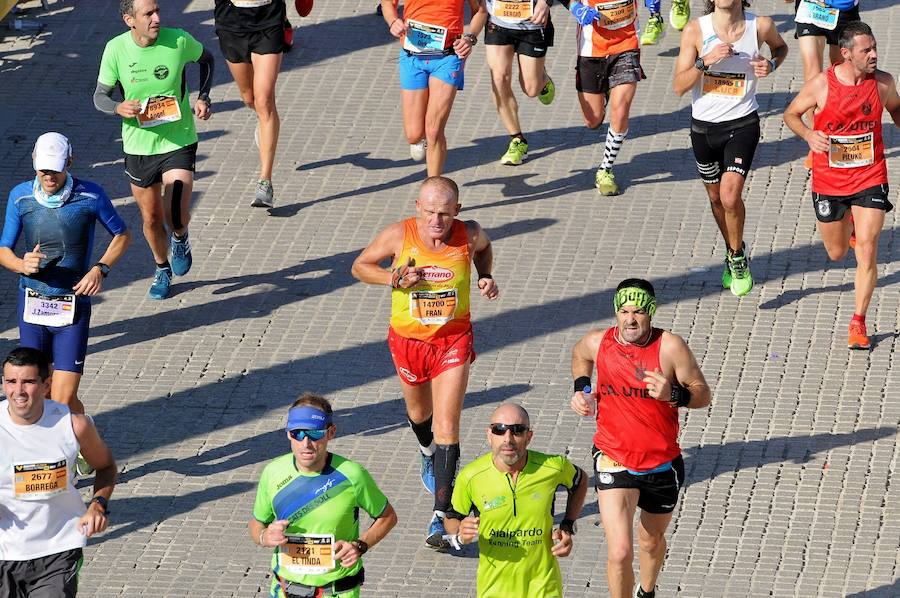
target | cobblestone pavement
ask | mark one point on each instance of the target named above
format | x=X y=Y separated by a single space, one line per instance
x=790 y=487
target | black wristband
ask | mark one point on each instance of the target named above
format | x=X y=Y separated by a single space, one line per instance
x=681 y=396
x=102 y=502
x=488 y=276
x=568 y=526
x=361 y=546
x=581 y=382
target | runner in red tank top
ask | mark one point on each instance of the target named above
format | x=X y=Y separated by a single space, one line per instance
x=849 y=175
x=644 y=375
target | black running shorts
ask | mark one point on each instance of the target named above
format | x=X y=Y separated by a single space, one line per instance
x=599 y=75
x=237 y=47
x=659 y=491
x=831 y=36
x=51 y=576
x=724 y=147
x=831 y=208
x=145 y=171
x=525 y=42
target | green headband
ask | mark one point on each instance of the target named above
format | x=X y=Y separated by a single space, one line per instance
x=636 y=297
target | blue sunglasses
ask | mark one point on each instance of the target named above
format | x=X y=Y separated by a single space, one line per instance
x=313 y=435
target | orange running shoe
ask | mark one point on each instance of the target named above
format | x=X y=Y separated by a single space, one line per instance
x=807 y=162
x=858 y=339
x=852 y=233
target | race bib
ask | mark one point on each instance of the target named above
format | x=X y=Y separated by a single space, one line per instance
x=851 y=151
x=40 y=481
x=817 y=14
x=617 y=14
x=432 y=307
x=48 y=311
x=513 y=10
x=728 y=85
x=422 y=37
x=250 y=3
x=311 y=554
x=158 y=110
x=603 y=463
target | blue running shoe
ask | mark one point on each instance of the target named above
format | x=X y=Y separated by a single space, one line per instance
x=162 y=280
x=436 y=532
x=428 y=473
x=181 y=255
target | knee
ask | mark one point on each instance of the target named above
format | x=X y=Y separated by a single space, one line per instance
x=532 y=88
x=837 y=253
x=730 y=198
x=249 y=100
x=502 y=80
x=651 y=543
x=153 y=220
x=265 y=108
x=866 y=251
x=620 y=554
x=434 y=132
x=593 y=121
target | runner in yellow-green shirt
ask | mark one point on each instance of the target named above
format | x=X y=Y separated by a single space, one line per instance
x=504 y=501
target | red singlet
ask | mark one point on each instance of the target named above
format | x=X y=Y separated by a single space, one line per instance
x=852 y=121
x=634 y=429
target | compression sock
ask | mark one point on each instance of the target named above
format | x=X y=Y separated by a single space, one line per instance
x=613 y=145
x=423 y=435
x=446 y=461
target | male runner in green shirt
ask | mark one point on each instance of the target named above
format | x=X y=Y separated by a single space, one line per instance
x=508 y=495
x=147 y=64
x=307 y=508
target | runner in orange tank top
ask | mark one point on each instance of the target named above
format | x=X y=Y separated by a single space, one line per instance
x=644 y=375
x=430 y=335
x=849 y=178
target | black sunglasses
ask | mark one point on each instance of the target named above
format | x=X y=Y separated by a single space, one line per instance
x=516 y=429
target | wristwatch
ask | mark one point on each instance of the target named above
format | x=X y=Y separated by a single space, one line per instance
x=700 y=65
x=774 y=64
x=102 y=502
x=472 y=38
x=104 y=269
x=361 y=546
x=569 y=526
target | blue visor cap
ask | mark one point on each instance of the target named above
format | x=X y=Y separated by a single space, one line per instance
x=306 y=417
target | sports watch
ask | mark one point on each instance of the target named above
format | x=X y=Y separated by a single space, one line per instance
x=104 y=269
x=700 y=65
x=569 y=526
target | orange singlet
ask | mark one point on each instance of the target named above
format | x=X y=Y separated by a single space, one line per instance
x=614 y=33
x=442 y=19
x=438 y=305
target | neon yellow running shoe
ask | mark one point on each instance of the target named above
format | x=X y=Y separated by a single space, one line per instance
x=654 y=31
x=726 y=276
x=606 y=182
x=680 y=13
x=516 y=153
x=548 y=93
x=741 y=279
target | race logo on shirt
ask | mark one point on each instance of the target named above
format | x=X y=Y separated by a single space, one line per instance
x=161 y=72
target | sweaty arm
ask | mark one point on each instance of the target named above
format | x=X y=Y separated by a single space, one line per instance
x=812 y=95
x=386 y=245
x=686 y=74
x=207 y=64
x=482 y=252
x=103 y=100
x=675 y=351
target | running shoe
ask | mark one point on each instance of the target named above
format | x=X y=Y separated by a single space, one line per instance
x=680 y=13
x=428 y=472
x=82 y=467
x=726 y=275
x=304 y=7
x=741 y=279
x=516 y=153
x=265 y=195
x=858 y=337
x=654 y=31
x=162 y=280
x=181 y=254
x=288 y=36
x=640 y=593
x=417 y=151
x=852 y=233
x=606 y=182
x=548 y=93
x=436 y=532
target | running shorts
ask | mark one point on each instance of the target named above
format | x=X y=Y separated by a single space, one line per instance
x=146 y=171
x=831 y=208
x=64 y=346
x=417 y=361
x=599 y=75
x=237 y=47
x=525 y=42
x=416 y=70
x=831 y=36
x=658 y=491
x=724 y=147
x=51 y=576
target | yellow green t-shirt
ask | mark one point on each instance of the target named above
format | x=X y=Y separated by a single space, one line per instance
x=516 y=523
x=156 y=71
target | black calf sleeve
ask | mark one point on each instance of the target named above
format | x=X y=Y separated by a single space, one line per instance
x=446 y=463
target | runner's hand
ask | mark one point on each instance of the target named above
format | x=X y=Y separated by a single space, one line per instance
x=719 y=52
x=468 y=530
x=488 y=288
x=31 y=261
x=398 y=28
x=585 y=15
x=273 y=535
x=562 y=545
x=93 y=521
x=90 y=284
x=580 y=404
x=202 y=110
x=761 y=66
x=346 y=553
x=463 y=47
x=818 y=141
x=541 y=13
x=658 y=386
x=406 y=276
x=129 y=109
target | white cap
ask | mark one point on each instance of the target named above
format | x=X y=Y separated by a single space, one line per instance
x=51 y=152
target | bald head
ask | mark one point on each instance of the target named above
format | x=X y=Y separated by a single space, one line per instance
x=510 y=413
x=439 y=186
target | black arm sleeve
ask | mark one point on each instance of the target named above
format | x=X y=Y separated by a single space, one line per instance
x=103 y=100
x=207 y=64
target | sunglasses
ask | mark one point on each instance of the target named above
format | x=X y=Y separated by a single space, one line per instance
x=313 y=435
x=516 y=429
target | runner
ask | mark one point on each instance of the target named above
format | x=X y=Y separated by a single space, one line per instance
x=679 y=15
x=307 y=509
x=607 y=72
x=432 y=58
x=818 y=23
x=252 y=38
x=720 y=64
x=521 y=30
x=644 y=375
x=44 y=521
x=517 y=544
x=430 y=334
x=57 y=214
x=147 y=64
x=849 y=174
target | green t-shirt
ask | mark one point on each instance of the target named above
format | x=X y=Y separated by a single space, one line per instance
x=516 y=523
x=327 y=502
x=156 y=70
